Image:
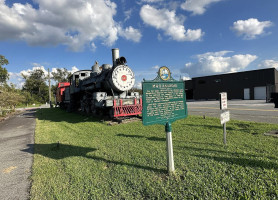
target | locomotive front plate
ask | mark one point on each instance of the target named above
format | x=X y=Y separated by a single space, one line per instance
x=123 y=78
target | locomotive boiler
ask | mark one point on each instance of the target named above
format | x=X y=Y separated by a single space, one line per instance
x=105 y=89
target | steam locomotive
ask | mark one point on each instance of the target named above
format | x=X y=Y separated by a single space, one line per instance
x=103 y=90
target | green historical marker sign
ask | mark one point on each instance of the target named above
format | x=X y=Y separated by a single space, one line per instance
x=164 y=99
x=164 y=102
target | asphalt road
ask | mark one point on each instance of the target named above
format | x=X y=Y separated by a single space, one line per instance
x=16 y=162
x=246 y=110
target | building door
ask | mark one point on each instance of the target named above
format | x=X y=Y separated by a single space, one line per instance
x=260 y=93
x=269 y=90
x=246 y=93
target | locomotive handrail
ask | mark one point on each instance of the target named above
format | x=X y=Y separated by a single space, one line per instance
x=127 y=110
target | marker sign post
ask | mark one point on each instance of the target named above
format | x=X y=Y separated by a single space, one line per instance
x=164 y=102
x=225 y=115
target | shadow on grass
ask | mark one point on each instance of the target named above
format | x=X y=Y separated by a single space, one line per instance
x=140 y=136
x=242 y=161
x=205 y=150
x=162 y=171
x=60 y=115
x=203 y=143
x=60 y=151
x=210 y=126
x=57 y=150
x=242 y=127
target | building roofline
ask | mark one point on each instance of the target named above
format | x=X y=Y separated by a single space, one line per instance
x=234 y=73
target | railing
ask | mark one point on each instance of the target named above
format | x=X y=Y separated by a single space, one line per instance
x=127 y=110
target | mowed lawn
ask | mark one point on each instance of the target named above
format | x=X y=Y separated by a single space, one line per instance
x=128 y=161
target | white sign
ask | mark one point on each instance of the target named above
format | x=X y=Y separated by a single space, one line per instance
x=223 y=101
x=225 y=117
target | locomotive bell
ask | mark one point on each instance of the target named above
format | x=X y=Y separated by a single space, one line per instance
x=95 y=69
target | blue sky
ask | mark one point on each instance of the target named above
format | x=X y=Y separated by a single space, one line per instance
x=191 y=37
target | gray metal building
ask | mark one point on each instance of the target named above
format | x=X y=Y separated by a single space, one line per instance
x=255 y=84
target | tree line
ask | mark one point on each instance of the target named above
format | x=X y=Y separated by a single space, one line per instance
x=34 y=91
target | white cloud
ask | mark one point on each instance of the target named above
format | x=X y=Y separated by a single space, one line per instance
x=151 y=74
x=45 y=71
x=36 y=66
x=151 y=1
x=127 y=14
x=159 y=37
x=138 y=85
x=71 y=23
x=16 y=79
x=269 y=64
x=73 y=69
x=186 y=78
x=130 y=34
x=170 y=23
x=250 y=28
x=156 y=67
x=93 y=46
x=198 y=7
x=216 y=62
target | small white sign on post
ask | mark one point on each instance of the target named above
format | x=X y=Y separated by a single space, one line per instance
x=225 y=117
x=223 y=101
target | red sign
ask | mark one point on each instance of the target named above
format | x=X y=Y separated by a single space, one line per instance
x=223 y=101
x=124 y=77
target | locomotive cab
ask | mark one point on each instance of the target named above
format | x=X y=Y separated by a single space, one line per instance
x=76 y=79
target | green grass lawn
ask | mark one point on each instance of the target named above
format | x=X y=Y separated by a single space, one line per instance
x=128 y=161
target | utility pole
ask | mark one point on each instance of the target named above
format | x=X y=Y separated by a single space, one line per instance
x=49 y=89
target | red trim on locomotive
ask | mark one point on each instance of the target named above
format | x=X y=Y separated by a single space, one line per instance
x=127 y=110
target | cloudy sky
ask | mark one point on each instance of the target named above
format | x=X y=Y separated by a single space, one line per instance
x=191 y=37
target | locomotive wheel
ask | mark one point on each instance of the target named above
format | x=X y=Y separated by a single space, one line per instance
x=87 y=109
x=88 y=106
x=93 y=109
x=82 y=107
x=85 y=105
x=111 y=113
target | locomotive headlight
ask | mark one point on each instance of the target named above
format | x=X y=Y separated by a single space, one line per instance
x=123 y=78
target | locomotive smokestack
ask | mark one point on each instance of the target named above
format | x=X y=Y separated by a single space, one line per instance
x=115 y=56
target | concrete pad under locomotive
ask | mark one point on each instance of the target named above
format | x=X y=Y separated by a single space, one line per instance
x=103 y=90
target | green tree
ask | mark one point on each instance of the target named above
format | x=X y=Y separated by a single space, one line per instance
x=4 y=75
x=62 y=75
x=10 y=97
x=36 y=86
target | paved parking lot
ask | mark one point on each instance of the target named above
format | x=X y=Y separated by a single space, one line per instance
x=247 y=110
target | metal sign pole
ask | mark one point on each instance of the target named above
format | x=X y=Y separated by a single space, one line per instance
x=224 y=133
x=169 y=146
x=225 y=115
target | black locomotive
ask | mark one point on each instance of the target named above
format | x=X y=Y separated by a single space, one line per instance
x=105 y=89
